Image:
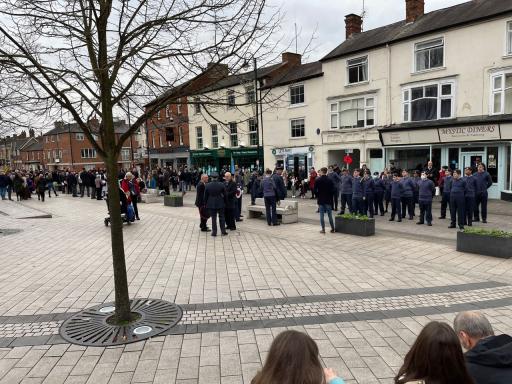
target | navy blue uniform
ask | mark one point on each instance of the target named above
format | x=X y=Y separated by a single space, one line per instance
x=378 y=202
x=407 y=197
x=396 y=194
x=425 y=189
x=387 y=190
x=215 y=201
x=336 y=180
x=447 y=187
x=357 y=196
x=471 y=186
x=483 y=183
x=346 y=193
x=458 y=202
x=369 y=196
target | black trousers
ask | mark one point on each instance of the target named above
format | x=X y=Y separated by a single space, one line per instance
x=346 y=200
x=368 y=204
x=214 y=213
x=358 y=206
x=134 y=203
x=98 y=193
x=239 y=207
x=457 y=210
x=230 y=213
x=203 y=218
x=408 y=204
x=387 y=198
x=396 y=209
x=270 y=210
x=470 y=209
x=445 y=202
x=481 y=203
x=378 y=202
x=40 y=195
x=425 y=211
x=336 y=195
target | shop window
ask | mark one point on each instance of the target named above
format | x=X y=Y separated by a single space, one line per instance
x=501 y=98
x=453 y=158
x=353 y=113
x=428 y=102
x=492 y=163
x=376 y=153
x=357 y=70
x=429 y=55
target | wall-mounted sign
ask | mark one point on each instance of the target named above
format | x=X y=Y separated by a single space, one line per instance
x=472 y=132
x=292 y=150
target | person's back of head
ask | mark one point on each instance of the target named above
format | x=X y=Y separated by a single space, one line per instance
x=292 y=359
x=435 y=357
x=471 y=327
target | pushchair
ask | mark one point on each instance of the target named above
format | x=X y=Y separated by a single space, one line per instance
x=124 y=209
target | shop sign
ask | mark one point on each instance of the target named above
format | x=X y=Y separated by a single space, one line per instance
x=472 y=132
x=292 y=150
x=201 y=154
x=246 y=152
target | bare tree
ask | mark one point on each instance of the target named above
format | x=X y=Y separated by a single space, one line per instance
x=92 y=57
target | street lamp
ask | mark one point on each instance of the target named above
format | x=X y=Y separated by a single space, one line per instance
x=257 y=108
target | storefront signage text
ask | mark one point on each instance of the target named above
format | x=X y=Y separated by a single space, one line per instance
x=475 y=132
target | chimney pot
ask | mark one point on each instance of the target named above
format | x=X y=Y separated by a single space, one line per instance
x=414 y=9
x=353 y=25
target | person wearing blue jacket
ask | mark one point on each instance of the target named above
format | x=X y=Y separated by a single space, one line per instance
x=368 y=194
x=457 y=200
x=387 y=179
x=425 y=188
x=446 y=186
x=346 y=191
x=408 y=188
x=396 y=195
x=380 y=187
x=336 y=180
x=471 y=186
x=483 y=183
x=357 y=194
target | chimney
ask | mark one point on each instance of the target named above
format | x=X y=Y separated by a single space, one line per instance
x=293 y=59
x=217 y=71
x=353 y=25
x=414 y=9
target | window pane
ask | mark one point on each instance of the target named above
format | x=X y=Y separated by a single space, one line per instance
x=429 y=44
x=334 y=121
x=497 y=103
x=424 y=109
x=421 y=60
x=417 y=93
x=334 y=107
x=353 y=75
x=508 y=101
x=406 y=95
x=446 y=108
x=369 y=102
x=436 y=57
x=363 y=73
x=348 y=118
x=508 y=80
x=498 y=82
x=406 y=112
x=431 y=91
x=344 y=105
x=370 y=117
x=446 y=89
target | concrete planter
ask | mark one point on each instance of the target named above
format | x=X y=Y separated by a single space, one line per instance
x=355 y=227
x=506 y=195
x=484 y=245
x=173 y=200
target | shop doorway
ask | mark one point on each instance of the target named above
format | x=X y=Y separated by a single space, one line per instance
x=472 y=159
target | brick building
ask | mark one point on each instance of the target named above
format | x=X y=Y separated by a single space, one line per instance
x=31 y=155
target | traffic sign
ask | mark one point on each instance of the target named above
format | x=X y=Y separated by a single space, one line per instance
x=347 y=159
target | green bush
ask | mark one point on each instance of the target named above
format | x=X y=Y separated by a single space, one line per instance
x=488 y=232
x=352 y=216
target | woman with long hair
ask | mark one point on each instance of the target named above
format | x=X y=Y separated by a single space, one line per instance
x=293 y=359
x=435 y=358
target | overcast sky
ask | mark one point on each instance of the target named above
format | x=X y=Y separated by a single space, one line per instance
x=327 y=18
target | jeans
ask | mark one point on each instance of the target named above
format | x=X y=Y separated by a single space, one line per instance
x=2 y=192
x=325 y=208
x=51 y=187
x=270 y=210
x=425 y=211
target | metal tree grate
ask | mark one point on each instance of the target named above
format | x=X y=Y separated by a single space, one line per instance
x=90 y=327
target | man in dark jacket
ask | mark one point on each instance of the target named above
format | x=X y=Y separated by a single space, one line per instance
x=201 y=203
x=346 y=191
x=230 y=201
x=489 y=357
x=324 y=192
x=425 y=188
x=269 y=191
x=215 y=201
x=483 y=183
x=281 y=190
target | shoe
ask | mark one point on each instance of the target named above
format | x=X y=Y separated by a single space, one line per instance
x=382 y=214
x=332 y=231
x=442 y=217
x=411 y=218
x=461 y=227
x=241 y=215
x=420 y=223
x=322 y=231
x=276 y=224
x=469 y=224
x=224 y=234
x=239 y=220
x=269 y=224
x=391 y=219
x=214 y=235
x=429 y=224
x=399 y=221
x=137 y=218
x=206 y=230
x=484 y=221
x=452 y=226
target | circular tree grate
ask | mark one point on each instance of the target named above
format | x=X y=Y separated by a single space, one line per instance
x=90 y=327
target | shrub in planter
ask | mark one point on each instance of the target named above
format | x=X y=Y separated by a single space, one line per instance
x=355 y=225
x=173 y=200
x=489 y=242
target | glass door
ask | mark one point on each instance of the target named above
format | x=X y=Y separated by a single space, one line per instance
x=471 y=159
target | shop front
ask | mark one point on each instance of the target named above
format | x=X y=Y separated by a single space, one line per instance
x=172 y=157
x=295 y=159
x=215 y=160
x=456 y=146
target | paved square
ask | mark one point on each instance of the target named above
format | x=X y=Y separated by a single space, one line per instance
x=362 y=300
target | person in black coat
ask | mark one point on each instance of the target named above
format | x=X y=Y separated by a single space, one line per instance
x=230 y=201
x=324 y=192
x=215 y=202
x=201 y=203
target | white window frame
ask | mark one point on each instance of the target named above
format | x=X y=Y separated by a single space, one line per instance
x=248 y=92
x=415 y=50
x=252 y=128
x=52 y=138
x=178 y=107
x=303 y=94
x=215 y=135
x=303 y=119
x=367 y=108
x=199 y=138
x=79 y=136
x=407 y=101
x=197 y=106
x=233 y=134
x=125 y=154
x=87 y=153
x=231 y=99
x=498 y=91
x=158 y=115
x=508 y=39
x=367 y=70
x=180 y=134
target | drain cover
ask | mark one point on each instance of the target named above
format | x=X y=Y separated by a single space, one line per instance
x=90 y=327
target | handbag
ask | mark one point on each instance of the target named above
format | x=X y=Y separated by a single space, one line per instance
x=130 y=212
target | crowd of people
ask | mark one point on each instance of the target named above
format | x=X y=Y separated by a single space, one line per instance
x=436 y=357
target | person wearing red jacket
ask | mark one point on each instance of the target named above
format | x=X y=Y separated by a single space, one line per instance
x=312 y=178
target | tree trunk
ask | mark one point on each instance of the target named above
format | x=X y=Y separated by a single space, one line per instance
x=123 y=313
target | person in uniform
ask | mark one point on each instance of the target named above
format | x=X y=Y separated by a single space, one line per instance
x=201 y=203
x=368 y=193
x=407 y=195
x=215 y=202
x=270 y=197
x=357 y=194
x=239 y=181
x=230 y=201
x=471 y=187
x=378 y=201
x=425 y=187
x=457 y=200
x=346 y=191
x=483 y=183
x=396 y=197
x=336 y=180
x=446 y=187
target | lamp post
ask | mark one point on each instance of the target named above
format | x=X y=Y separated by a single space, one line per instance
x=256 y=101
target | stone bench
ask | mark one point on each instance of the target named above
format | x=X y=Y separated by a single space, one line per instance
x=287 y=210
x=151 y=196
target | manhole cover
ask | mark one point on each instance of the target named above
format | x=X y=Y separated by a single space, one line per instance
x=90 y=327
x=7 y=231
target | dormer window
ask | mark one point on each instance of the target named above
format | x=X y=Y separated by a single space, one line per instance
x=357 y=70
x=429 y=55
